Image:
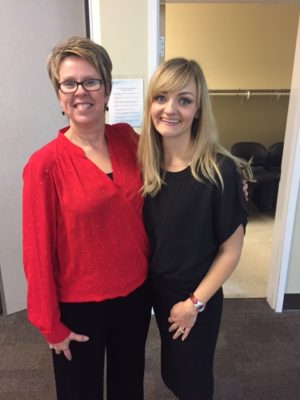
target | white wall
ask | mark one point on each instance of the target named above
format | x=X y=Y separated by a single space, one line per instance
x=291 y=168
x=124 y=35
x=29 y=114
x=293 y=278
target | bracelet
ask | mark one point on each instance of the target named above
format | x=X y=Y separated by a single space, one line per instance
x=199 y=306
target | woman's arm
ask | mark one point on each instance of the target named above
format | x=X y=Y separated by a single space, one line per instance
x=39 y=249
x=39 y=254
x=183 y=314
x=222 y=267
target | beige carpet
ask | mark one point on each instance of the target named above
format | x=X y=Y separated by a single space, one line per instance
x=250 y=277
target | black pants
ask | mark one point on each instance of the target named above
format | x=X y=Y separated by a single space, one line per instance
x=117 y=327
x=187 y=367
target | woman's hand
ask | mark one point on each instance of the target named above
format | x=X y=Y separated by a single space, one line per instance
x=64 y=345
x=182 y=318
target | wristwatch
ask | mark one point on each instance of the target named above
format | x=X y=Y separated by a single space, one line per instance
x=199 y=306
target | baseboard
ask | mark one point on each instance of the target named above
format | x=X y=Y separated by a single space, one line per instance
x=291 y=301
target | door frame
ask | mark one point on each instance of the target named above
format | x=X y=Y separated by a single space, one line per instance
x=93 y=12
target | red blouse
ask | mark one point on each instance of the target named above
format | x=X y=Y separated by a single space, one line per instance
x=83 y=234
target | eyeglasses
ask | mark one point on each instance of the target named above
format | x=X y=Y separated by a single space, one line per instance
x=71 y=86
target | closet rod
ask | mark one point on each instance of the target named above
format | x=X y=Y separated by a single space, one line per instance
x=249 y=93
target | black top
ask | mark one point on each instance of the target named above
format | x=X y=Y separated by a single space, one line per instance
x=188 y=220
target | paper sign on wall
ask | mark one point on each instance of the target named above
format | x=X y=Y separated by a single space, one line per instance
x=126 y=102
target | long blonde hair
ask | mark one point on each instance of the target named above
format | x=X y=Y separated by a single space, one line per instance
x=173 y=75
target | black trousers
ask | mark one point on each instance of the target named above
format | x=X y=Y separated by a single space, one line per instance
x=117 y=327
x=187 y=366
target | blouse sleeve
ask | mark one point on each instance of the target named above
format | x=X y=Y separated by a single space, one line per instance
x=39 y=243
x=230 y=205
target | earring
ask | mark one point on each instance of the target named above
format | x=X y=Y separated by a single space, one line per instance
x=62 y=113
x=106 y=108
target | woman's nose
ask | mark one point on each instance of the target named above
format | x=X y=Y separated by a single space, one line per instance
x=170 y=106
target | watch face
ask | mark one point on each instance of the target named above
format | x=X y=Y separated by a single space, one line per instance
x=197 y=303
x=199 y=306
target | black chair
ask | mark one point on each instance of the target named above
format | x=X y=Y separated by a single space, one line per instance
x=274 y=158
x=261 y=192
x=274 y=165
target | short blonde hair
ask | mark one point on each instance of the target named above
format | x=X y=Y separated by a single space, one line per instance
x=86 y=49
x=173 y=75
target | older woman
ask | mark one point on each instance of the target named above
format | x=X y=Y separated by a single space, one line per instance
x=85 y=248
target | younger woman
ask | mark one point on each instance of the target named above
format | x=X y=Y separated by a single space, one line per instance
x=195 y=216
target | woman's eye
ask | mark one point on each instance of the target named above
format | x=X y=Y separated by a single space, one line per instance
x=185 y=101
x=160 y=98
x=90 y=82
x=69 y=84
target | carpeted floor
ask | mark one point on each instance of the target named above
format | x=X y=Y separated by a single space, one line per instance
x=258 y=357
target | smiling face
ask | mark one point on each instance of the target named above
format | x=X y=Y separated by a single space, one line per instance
x=173 y=112
x=83 y=108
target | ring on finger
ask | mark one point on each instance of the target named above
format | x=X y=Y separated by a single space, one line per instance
x=181 y=330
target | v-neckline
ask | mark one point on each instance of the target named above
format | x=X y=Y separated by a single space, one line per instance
x=79 y=150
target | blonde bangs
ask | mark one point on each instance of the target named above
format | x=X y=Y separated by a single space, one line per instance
x=175 y=79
